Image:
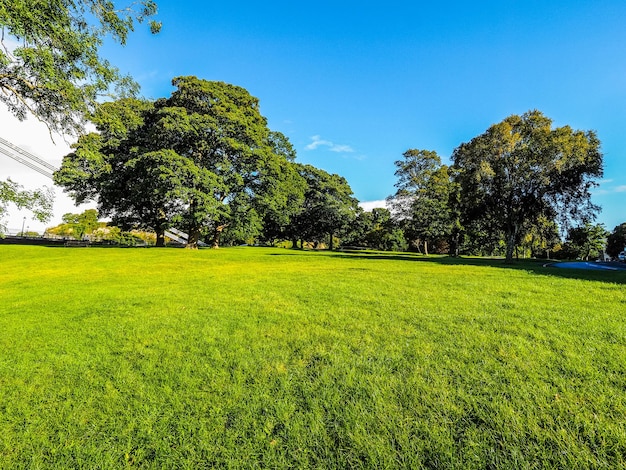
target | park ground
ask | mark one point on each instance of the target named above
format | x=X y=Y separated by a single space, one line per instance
x=258 y=357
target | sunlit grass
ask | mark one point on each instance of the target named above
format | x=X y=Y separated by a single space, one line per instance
x=254 y=357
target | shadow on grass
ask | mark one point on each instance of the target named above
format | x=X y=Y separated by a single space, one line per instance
x=535 y=266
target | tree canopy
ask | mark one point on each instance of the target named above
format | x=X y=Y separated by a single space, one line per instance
x=50 y=65
x=421 y=203
x=328 y=208
x=203 y=158
x=585 y=241
x=375 y=229
x=522 y=169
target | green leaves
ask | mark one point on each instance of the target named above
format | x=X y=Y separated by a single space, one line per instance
x=586 y=241
x=38 y=201
x=328 y=206
x=521 y=170
x=202 y=159
x=616 y=241
x=50 y=65
x=422 y=203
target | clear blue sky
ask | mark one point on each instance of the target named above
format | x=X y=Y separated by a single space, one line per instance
x=355 y=84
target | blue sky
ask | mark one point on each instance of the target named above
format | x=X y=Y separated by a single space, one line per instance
x=355 y=84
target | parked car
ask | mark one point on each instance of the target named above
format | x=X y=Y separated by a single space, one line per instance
x=622 y=256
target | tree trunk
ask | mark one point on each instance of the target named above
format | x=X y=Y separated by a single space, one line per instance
x=193 y=233
x=192 y=241
x=294 y=243
x=215 y=243
x=160 y=226
x=160 y=237
x=426 y=247
x=510 y=245
x=331 y=241
x=454 y=245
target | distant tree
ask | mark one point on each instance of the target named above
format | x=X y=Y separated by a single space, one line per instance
x=616 y=241
x=82 y=224
x=522 y=169
x=422 y=202
x=77 y=225
x=542 y=237
x=376 y=230
x=329 y=206
x=586 y=241
x=49 y=60
x=39 y=201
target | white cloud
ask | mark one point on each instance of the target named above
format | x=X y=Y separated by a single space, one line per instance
x=341 y=148
x=609 y=190
x=369 y=205
x=317 y=141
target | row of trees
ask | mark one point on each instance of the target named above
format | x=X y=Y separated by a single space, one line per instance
x=203 y=160
x=522 y=180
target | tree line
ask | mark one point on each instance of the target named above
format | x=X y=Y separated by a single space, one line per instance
x=521 y=183
x=204 y=159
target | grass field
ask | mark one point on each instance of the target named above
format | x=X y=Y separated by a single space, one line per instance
x=268 y=358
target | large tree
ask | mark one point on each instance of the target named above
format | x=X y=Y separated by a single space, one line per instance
x=50 y=64
x=135 y=187
x=203 y=159
x=220 y=129
x=522 y=169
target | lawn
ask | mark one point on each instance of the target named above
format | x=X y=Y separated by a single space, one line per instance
x=270 y=358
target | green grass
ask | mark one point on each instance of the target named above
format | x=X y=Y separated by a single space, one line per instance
x=268 y=358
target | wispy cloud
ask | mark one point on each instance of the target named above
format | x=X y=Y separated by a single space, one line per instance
x=610 y=190
x=317 y=141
